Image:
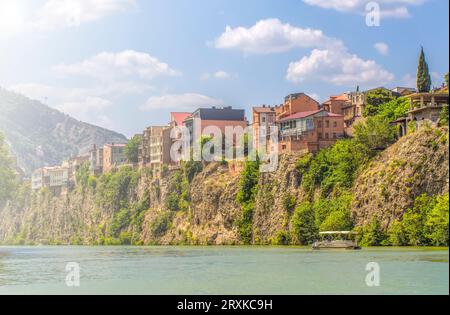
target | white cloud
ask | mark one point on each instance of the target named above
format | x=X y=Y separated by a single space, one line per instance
x=128 y=63
x=180 y=102
x=338 y=67
x=272 y=36
x=389 y=8
x=382 y=48
x=72 y=13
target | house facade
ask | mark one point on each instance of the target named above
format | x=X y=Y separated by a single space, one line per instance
x=113 y=156
x=55 y=179
x=310 y=131
x=295 y=103
x=264 y=118
x=425 y=108
x=154 y=151
x=214 y=117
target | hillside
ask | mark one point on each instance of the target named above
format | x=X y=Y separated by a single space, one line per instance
x=199 y=203
x=40 y=135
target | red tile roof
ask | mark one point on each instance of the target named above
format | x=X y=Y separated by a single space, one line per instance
x=179 y=118
x=301 y=115
x=264 y=109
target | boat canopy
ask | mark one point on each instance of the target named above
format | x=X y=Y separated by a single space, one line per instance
x=338 y=233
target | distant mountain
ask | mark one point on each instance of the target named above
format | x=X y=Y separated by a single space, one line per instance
x=41 y=136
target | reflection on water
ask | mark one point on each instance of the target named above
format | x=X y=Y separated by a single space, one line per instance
x=221 y=270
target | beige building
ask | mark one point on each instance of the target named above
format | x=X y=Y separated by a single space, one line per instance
x=113 y=156
x=154 y=151
x=264 y=118
x=425 y=108
x=96 y=160
x=56 y=179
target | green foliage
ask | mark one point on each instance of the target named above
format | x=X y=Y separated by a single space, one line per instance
x=423 y=74
x=444 y=118
x=333 y=214
x=161 y=224
x=303 y=224
x=437 y=223
x=248 y=189
x=289 y=202
x=373 y=234
x=394 y=109
x=82 y=175
x=375 y=99
x=132 y=149
x=375 y=133
x=7 y=173
x=336 y=167
x=425 y=224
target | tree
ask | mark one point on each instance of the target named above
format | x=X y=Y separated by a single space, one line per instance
x=373 y=233
x=423 y=74
x=7 y=173
x=375 y=133
x=303 y=224
x=375 y=99
x=436 y=226
x=446 y=79
x=132 y=149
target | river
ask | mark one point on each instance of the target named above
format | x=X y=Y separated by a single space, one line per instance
x=221 y=270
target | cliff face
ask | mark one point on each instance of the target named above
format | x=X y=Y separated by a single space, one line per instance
x=137 y=209
x=416 y=164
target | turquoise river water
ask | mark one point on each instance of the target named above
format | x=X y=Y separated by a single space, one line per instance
x=221 y=270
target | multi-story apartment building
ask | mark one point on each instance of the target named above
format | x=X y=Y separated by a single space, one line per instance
x=310 y=131
x=264 y=118
x=113 y=156
x=154 y=151
x=215 y=117
x=56 y=179
x=296 y=103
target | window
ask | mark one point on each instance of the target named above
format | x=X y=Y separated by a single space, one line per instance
x=335 y=124
x=327 y=136
x=319 y=124
x=320 y=135
x=327 y=124
x=264 y=120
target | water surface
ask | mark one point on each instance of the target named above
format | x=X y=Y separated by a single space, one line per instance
x=221 y=270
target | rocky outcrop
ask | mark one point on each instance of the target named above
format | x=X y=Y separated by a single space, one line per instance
x=417 y=164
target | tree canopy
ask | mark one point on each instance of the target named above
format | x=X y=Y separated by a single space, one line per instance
x=423 y=74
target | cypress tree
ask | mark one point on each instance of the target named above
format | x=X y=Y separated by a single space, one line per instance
x=423 y=75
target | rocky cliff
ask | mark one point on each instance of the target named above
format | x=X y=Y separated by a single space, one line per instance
x=198 y=206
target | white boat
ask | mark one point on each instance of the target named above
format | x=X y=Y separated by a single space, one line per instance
x=337 y=240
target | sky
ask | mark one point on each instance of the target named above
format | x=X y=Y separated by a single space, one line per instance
x=126 y=64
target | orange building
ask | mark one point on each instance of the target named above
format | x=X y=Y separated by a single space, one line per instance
x=336 y=104
x=296 y=103
x=310 y=131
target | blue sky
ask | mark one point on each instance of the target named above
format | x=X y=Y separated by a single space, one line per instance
x=125 y=64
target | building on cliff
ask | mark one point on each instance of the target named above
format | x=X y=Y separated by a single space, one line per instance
x=96 y=160
x=264 y=117
x=208 y=118
x=296 y=103
x=113 y=156
x=310 y=131
x=425 y=108
x=56 y=179
x=154 y=151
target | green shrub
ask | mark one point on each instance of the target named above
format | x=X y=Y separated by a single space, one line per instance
x=303 y=224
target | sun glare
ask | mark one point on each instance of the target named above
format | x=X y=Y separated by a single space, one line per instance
x=11 y=16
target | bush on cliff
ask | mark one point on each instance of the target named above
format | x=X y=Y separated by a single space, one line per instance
x=303 y=224
x=7 y=174
x=248 y=188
